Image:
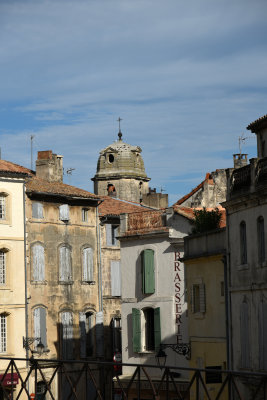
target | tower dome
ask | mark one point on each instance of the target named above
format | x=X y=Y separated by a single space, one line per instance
x=121 y=172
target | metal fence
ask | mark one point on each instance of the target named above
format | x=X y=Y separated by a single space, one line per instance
x=84 y=380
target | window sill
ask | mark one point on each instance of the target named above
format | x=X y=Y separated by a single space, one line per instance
x=39 y=283
x=262 y=265
x=66 y=282
x=199 y=315
x=242 y=267
x=88 y=283
x=4 y=287
x=145 y=352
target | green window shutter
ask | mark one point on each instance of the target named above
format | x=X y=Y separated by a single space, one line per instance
x=148 y=271
x=136 y=330
x=157 y=330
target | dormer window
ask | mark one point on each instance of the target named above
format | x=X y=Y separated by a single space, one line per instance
x=111 y=158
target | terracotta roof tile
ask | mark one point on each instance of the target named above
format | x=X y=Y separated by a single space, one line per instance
x=113 y=206
x=186 y=212
x=260 y=122
x=38 y=185
x=7 y=166
x=208 y=179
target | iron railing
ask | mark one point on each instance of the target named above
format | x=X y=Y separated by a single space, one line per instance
x=84 y=380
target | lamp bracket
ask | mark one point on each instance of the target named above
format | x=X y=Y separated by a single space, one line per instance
x=183 y=349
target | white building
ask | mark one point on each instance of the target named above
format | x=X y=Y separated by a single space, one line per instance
x=153 y=290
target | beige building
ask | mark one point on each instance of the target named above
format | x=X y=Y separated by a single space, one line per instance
x=205 y=281
x=12 y=271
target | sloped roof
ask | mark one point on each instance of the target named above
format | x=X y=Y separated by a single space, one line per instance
x=186 y=212
x=7 y=166
x=38 y=185
x=208 y=179
x=259 y=123
x=113 y=206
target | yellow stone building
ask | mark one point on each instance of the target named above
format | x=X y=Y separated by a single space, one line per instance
x=205 y=282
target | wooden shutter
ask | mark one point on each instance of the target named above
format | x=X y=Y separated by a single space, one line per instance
x=244 y=335
x=109 y=234
x=36 y=325
x=82 y=319
x=115 y=267
x=202 y=298
x=88 y=265
x=115 y=234
x=148 y=271
x=37 y=210
x=99 y=334
x=64 y=264
x=136 y=314
x=67 y=334
x=64 y=212
x=38 y=262
x=43 y=326
x=157 y=329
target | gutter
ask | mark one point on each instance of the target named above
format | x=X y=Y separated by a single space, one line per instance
x=25 y=273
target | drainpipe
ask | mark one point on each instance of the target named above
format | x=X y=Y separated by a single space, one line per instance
x=227 y=276
x=99 y=260
x=25 y=272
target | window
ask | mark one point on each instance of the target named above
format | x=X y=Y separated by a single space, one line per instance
x=2 y=267
x=2 y=206
x=198 y=301
x=244 y=335
x=64 y=212
x=116 y=334
x=39 y=323
x=262 y=335
x=87 y=334
x=111 y=233
x=115 y=267
x=84 y=215
x=38 y=262
x=148 y=272
x=37 y=210
x=40 y=390
x=213 y=376
x=65 y=270
x=243 y=243
x=88 y=264
x=3 y=333
x=222 y=289
x=67 y=335
x=261 y=240
x=146 y=329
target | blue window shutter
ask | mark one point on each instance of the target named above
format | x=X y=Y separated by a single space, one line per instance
x=82 y=319
x=99 y=334
x=109 y=234
x=115 y=267
x=136 y=315
x=148 y=271
x=157 y=328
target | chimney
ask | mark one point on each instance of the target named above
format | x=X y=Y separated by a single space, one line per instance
x=49 y=166
x=240 y=160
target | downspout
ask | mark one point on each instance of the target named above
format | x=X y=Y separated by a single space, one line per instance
x=228 y=297
x=25 y=274
x=99 y=261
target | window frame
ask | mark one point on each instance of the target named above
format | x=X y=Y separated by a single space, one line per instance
x=198 y=298
x=62 y=275
x=88 y=269
x=67 y=330
x=148 y=271
x=142 y=332
x=38 y=273
x=3 y=333
x=111 y=233
x=37 y=210
x=243 y=243
x=6 y=219
x=3 y=273
x=64 y=212
x=85 y=214
x=87 y=333
x=40 y=325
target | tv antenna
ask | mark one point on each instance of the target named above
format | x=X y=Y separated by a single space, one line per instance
x=241 y=141
x=69 y=173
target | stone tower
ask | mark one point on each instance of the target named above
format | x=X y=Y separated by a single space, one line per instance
x=121 y=172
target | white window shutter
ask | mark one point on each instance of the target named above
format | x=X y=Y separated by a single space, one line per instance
x=36 y=325
x=202 y=298
x=37 y=210
x=109 y=234
x=43 y=326
x=64 y=212
x=65 y=273
x=115 y=278
x=88 y=265
x=99 y=334
x=38 y=262
x=116 y=232
x=82 y=319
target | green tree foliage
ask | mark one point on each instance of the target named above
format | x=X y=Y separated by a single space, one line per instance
x=206 y=220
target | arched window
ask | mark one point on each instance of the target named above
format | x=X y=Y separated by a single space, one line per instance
x=88 y=264
x=39 y=324
x=3 y=266
x=261 y=240
x=243 y=243
x=38 y=262
x=3 y=333
x=146 y=329
x=3 y=206
x=148 y=271
x=65 y=270
x=67 y=334
x=87 y=333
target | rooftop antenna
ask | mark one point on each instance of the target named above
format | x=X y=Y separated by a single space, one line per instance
x=162 y=190
x=119 y=134
x=241 y=140
x=32 y=137
x=69 y=173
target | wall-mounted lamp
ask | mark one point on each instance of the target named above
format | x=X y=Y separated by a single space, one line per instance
x=183 y=349
x=39 y=348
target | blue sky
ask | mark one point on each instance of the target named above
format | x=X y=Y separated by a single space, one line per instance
x=187 y=77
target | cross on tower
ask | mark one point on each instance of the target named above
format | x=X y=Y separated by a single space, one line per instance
x=119 y=134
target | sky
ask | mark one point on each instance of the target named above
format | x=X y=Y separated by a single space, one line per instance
x=186 y=77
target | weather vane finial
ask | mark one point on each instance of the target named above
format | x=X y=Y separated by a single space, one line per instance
x=119 y=134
